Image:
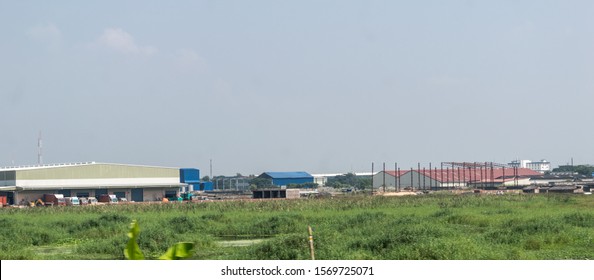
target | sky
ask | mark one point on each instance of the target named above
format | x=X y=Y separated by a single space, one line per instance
x=316 y=86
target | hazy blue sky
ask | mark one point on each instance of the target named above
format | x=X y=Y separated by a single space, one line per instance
x=318 y=86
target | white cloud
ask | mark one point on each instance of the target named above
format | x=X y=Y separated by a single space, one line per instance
x=188 y=56
x=121 y=41
x=49 y=34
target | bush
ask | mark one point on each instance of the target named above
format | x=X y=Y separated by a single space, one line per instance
x=579 y=219
x=284 y=247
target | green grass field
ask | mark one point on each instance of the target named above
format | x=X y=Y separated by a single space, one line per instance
x=435 y=226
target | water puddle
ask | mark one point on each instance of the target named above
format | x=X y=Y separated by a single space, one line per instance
x=241 y=240
x=239 y=243
x=54 y=250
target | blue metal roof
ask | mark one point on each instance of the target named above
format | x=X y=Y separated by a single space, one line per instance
x=287 y=175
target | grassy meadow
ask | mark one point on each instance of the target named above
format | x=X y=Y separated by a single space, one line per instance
x=425 y=227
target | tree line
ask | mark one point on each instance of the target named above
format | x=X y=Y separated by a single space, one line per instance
x=585 y=169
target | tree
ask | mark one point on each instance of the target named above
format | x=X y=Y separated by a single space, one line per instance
x=349 y=180
x=586 y=169
x=261 y=182
x=303 y=186
x=205 y=179
x=364 y=182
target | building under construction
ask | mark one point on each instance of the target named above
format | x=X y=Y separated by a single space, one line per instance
x=453 y=175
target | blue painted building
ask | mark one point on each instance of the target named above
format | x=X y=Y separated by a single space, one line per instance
x=190 y=176
x=286 y=178
x=206 y=186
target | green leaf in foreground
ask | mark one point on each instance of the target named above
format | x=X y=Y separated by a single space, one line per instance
x=179 y=251
x=132 y=250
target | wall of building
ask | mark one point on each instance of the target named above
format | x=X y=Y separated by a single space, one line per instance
x=292 y=193
x=320 y=180
x=153 y=194
x=287 y=181
x=520 y=182
x=149 y=194
x=96 y=171
x=106 y=182
x=276 y=193
x=7 y=178
x=408 y=180
x=95 y=175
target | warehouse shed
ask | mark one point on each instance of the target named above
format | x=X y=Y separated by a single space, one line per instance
x=435 y=179
x=89 y=179
x=283 y=179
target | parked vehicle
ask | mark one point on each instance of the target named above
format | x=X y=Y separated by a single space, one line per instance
x=108 y=198
x=84 y=200
x=92 y=200
x=54 y=199
x=72 y=200
x=87 y=200
x=187 y=196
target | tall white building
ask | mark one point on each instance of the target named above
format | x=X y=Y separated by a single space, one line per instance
x=541 y=166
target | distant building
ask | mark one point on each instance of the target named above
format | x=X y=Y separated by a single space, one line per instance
x=276 y=193
x=322 y=179
x=541 y=166
x=191 y=177
x=566 y=189
x=91 y=179
x=451 y=178
x=283 y=179
x=231 y=183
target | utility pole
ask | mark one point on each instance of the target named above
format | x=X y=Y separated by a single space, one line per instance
x=372 y=178
x=384 y=183
x=39 y=150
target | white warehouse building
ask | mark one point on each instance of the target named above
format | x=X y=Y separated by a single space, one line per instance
x=89 y=179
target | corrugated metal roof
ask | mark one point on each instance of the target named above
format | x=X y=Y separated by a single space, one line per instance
x=58 y=165
x=287 y=175
x=558 y=188
x=28 y=167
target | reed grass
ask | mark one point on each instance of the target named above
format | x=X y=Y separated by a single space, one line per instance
x=436 y=226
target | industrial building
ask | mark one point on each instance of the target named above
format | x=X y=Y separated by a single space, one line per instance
x=541 y=166
x=91 y=179
x=433 y=179
x=276 y=193
x=283 y=179
x=230 y=183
